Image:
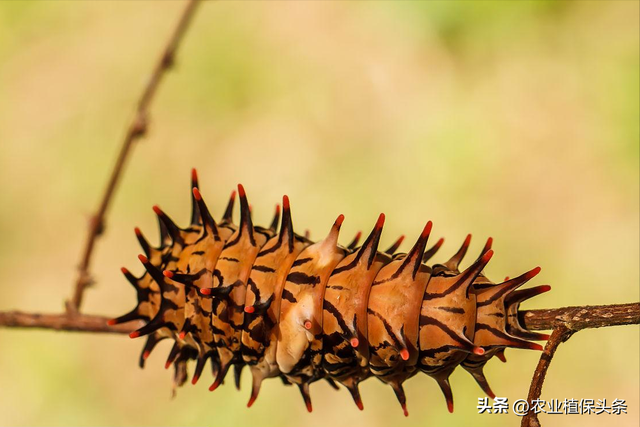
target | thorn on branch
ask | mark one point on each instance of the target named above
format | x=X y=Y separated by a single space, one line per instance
x=96 y=225
x=139 y=126
x=168 y=60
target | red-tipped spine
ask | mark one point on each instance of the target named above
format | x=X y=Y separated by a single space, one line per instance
x=205 y=215
x=531 y=274
x=359 y=404
x=216 y=383
x=394 y=247
x=194 y=177
x=196 y=193
x=486 y=257
x=426 y=230
x=246 y=225
x=276 y=219
x=355 y=240
x=404 y=409
x=455 y=260
x=467 y=241
x=488 y=245
x=432 y=250
x=228 y=213
x=251 y=401
x=417 y=251
x=286 y=228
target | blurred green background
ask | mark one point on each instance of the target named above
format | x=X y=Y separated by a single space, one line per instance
x=516 y=120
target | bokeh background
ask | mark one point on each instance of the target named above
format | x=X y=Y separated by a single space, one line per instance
x=516 y=120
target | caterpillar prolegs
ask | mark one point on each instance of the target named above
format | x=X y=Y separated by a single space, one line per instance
x=275 y=301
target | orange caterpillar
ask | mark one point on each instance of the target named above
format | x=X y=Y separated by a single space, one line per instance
x=288 y=307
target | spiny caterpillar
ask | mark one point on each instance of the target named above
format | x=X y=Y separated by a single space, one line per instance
x=302 y=311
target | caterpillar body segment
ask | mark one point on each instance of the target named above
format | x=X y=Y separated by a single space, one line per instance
x=229 y=288
x=236 y=295
x=345 y=325
x=393 y=315
x=263 y=300
x=447 y=321
x=299 y=345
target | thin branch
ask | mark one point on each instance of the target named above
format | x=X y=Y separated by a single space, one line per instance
x=559 y=335
x=566 y=322
x=574 y=318
x=64 y=322
x=577 y=318
x=135 y=130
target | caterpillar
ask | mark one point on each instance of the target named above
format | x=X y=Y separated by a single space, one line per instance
x=237 y=295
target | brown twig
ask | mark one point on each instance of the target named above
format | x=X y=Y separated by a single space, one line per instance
x=135 y=130
x=574 y=318
x=559 y=335
x=566 y=322
x=64 y=322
